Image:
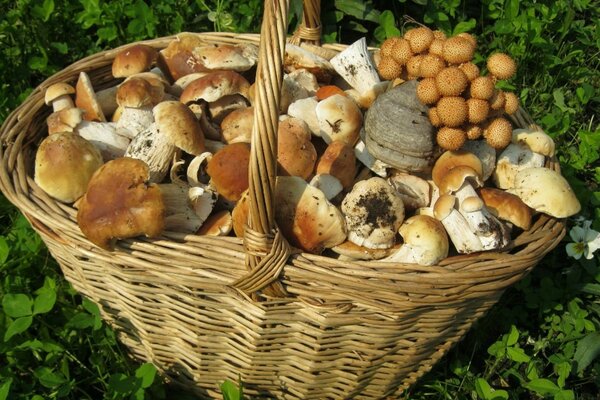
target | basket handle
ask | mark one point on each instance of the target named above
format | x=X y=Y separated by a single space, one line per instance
x=266 y=249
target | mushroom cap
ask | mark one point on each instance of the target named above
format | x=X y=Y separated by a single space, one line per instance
x=437 y=47
x=443 y=206
x=64 y=164
x=431 y=66
x=471 y=70
x=373 y=213
x=507 y=206
x=326 y=91
x=434 y=117
x=237 y=57
x=413 y=66
x=338 y=160
x=469 y=37
x=498 y=133
x=178 y=123
x=133 y=59
x=452 y=159
x=458 y=50
x=401 y=51
x=356 y=252
x=456 y=177
x=478 y=110
x=420 y=38
x=215 y=85
x=515 y=157
x=535 y=139
x=389 y=69
x=546 y=191
x=237 y=125
x=56 y=90
x=137 y=93
x=427 y=91
x=451 y=138
x=427 y=238
x=85 y=98
x=452 y=111
x=473 y=131
x=228 y=170
x=482 y=87
x=498 y=100
x=339 y=119
x=64 y=120
x=385 y=50
x=501 y=65
x=177 y=59
x=511 y=104
x=119 y=203
x=217 y=224
x=306 y=218
x=296 y=155
x=451 y=81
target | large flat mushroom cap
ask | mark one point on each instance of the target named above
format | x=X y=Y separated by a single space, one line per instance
x=120 y=203
x=179 y=124
x=64 y=164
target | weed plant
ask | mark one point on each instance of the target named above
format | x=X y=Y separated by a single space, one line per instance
x=542 y=339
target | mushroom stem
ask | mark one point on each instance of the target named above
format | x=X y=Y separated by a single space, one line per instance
x=62 y=102
x=104 y=136
x=460 y=233
x=186 y=208
x=355 y=65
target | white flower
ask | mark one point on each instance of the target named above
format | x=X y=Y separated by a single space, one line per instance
x=585 y=241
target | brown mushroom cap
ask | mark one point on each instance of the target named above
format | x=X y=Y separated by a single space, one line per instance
x=179 y=124
x=85 y=98
x=507 y=206
x=452 y=111
x=498 y=133
x=451 y=138
x=501 y=65
x=458 y=50
x=471 y=70
x=133 y=59
x=338 y=160
x=413 y=66
x=237 y=125
x=456 y=177
x=420 y=38
x=478 y=110
x=215 y=85
x=401 y=51
x=217 y=224
x=431 y=66
x=64 y=164
x=385 y=50
x=452 y=159
x=56 y=90
x=437 y=47
x=482 y=88
x=434 y=117
x=296 y=155
x=389 y=69
x=177 y=59
x=427 y=91
x=137 y=93
x=120 y=203
x=511 y=104
x=228 y=170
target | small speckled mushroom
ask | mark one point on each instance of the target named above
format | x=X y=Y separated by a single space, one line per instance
x=506 y=206
x=389 y=69
x=306 y=218
x=339 y=119
x=434 y=117
x=85 y=98
x=482 y=88
x=133 y=59
x=413 y=66
x=64 y=164
x=477 y=110
x=425 y=242
x=228 y=170
x=458 y=50
x=469 y=37
x=59 y=97
x=473 y=131
x=401 y=51
x=451 y=138
x=498 y=100
x=385 y=50
x=431 y=66
x=177 y=122
x=471 y=70
x=373 y=213
x=120 y=203
x=451 y=81
x=296 y=155
x=546 y=191
x=452 y=111
x=437 y=47
x=419 y=38
x=498 y=133
x=511 y=104
x=338 y=160
x=427 y=91
x=501 y=66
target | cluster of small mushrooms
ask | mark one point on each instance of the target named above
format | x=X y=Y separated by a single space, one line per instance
x=362 y=172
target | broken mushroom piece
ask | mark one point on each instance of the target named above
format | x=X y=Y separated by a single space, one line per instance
x=339 y=119
x=133 y=59
x=64 y=164
x=352 y=251
x=120 y=203
x=237 y=57
x=457 y=227
x=85 y=98
x=546 y=191
x=217 y=224
x=536 y=139
x=154 y=149
x=64 y=120
x=306 y=110
x=328 y=184
x=306 y=218
x=58 y=96
x=177 y=59
x=105 y=137
x=425 y=242
x=414 y=191
x=373 y=213
x=338 y=160
x=297 y=58
x=136 y=98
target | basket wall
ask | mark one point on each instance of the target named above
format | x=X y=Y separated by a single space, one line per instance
x=348 y=329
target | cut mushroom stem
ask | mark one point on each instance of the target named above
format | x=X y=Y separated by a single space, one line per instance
x=328 y=184
x=356 y=66
x=186 y=208
x=105 y=137
x=155 y=150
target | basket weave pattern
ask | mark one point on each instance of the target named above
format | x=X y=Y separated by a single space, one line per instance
x=206 y=309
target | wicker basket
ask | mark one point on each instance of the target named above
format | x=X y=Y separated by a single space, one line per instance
x=206 y=309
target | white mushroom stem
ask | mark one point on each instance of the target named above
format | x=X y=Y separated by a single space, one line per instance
x=62 y=102
x=104 y=136
x=134 y=120
x=328 y=184
x=460 y=233
x=154 y=150
x=306 y=110
x=107 y=98
x=479 y=222
x=356 y=66
x=363 y=155
x=186 y=209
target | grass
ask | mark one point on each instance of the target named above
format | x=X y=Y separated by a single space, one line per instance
x=540 y=341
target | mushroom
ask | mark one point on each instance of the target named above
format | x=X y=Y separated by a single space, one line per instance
x=228 y=170
x=352 y=251
x=297 y=85
x=501 y=66
x=120 y=203
x=362 y=154
x=457 y=227
x=133 y=59
x=498 y=133
x=306 y=218
x=486 y=155
x=58 y=95
x=180 y=126
x=105 y=137
x=186 y=208
x=458 y=50
x=452 y=159
x=85 y=98
x=507 y=207
x=306 y=110
x=419 y=38
x=546 y=191
x=514 y=158
x=355 y=65
x=296 y=155
x=425 y=242
x=64 y=120
x=240 y=214
x=482 y=88
x=452 y=110
x=339 y=119
x=297 y=58
x=451 y=81
x=414 y=191
x=236 y=57
x=328 y=184
x=536 y=139
x=136 y=98
x=64 y=164
x=237 y=125
x=217 y=224
x=338 y=160
x=155 y=150
x=177 y=59
x=373 y=213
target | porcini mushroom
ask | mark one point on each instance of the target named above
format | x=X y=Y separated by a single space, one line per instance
x=296 y=155
x=59 y=97
x=339 y=119
x=134 y=59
